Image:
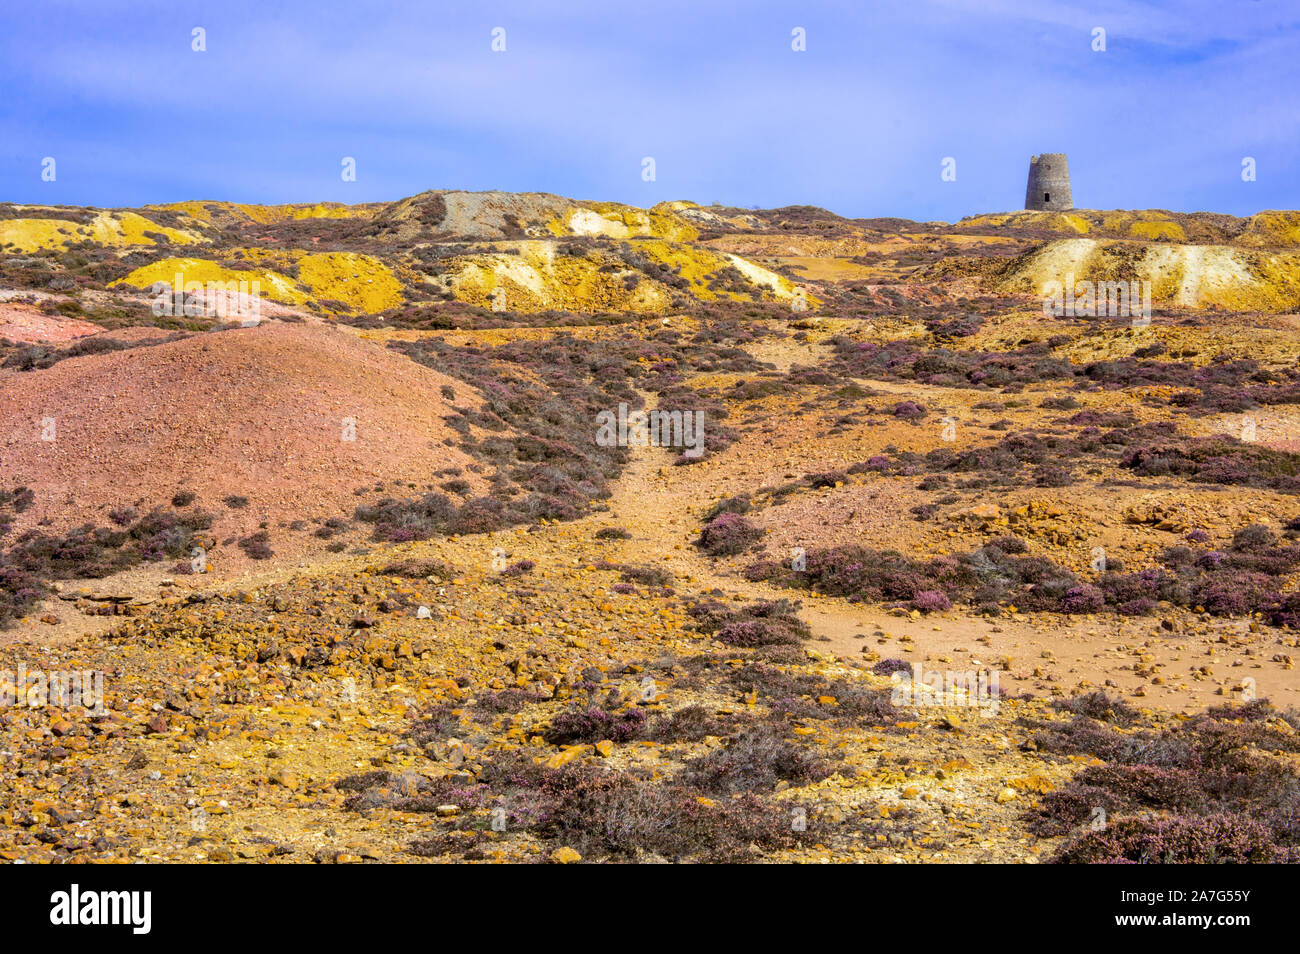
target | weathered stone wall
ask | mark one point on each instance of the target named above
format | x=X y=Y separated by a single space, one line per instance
x=1049 y=183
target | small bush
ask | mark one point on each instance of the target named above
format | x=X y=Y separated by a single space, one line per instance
x=595 y=725
x=827 y=478
x=257 y=546
x=754 y=761
x=1097 y=705
x=930 y=601
x=909 y=411
x=689 y=724
x=887 y=667
x=646 y=575
x=758 y=624
x=418 y=569
x=728 y=534
x=755 y=632
x=1235 y=594
x=1183 y=840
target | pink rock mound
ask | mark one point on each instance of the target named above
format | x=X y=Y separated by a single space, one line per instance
x=29 y=325
x=293 y=417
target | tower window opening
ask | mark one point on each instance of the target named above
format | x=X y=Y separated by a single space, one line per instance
x=1047 y=197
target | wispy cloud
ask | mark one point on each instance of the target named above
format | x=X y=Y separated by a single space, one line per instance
x=859 y=122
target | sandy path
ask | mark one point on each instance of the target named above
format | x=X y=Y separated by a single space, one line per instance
x=660 y=504
x=1042 y=654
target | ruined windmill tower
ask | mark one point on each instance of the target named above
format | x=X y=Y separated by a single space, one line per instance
x=1049 y=183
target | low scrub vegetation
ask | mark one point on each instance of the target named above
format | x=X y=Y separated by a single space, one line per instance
x=1245 y=578
x=1221 y=788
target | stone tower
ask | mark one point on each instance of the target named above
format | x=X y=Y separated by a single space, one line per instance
x=1049 y=183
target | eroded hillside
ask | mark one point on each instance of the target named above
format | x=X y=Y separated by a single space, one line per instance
x=364 y=579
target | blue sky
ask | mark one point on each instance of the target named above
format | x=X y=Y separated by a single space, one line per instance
x=859 y=122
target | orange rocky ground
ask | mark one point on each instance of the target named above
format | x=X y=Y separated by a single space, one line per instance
x=381 y=701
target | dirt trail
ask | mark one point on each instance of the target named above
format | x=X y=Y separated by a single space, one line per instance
x=660 y=505
x=1041 y=654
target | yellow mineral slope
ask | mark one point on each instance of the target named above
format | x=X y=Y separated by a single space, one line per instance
x=44 y=229
x=361 y=282
x=1271 y=229
x=612 y=220
x=1191 y=276
x=536 y=275
x=210 y=214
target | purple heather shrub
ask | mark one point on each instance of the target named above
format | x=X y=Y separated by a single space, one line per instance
x=18 y=592
x=595 y=725
x=1067 y=809
x=754 y=632
x=958 y=327
x=1116 y=788
x=1218 y=460
x=930 y=601
x=1084 y=598
x=506 y=700
x=519 y=568
x=867 y=574
x=765 y=623
x=951 y=574
x=1286 y=612
x=1141 y=606
x=1212 y=560
x=1198 y=536
x=909 y=411
x=1235 y=594
x=1032 y=569
x=925 y=511
x=1257 y=710
x=1010 y=543
x=645 y=575
x=1255 y=537
x=1220 y=797
x=606 y=813
x=1177 y=557
x=876 y=462
x=756 y=760
x=1127 y=588
x=1100 y=419
x=1097 y=705
x=1190 y=839
x=887 y=667
x=1053 y=475
x=728 y=534
x=689 y=724
x=1246 y=579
